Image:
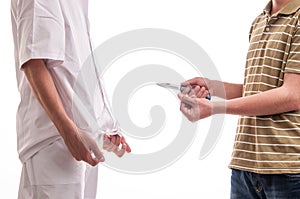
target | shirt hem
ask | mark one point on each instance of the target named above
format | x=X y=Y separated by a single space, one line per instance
x=266 y=170
x=28 y=153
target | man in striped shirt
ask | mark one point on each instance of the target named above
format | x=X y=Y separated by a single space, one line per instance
x=266 y=158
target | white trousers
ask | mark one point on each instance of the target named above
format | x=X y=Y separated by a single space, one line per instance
x=53 y=173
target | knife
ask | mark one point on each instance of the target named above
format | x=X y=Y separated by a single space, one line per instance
x=178 y=88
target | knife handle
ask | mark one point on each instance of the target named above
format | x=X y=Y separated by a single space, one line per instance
x=208 y=96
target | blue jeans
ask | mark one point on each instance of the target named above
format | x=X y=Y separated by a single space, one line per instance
x=248 y=185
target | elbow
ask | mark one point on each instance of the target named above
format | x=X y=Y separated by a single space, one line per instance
x=297 y=105
x=290 y=91
x=293 y=100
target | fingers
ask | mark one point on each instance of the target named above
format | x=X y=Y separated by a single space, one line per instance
x=201 y=82
x=187 y=100
x=108 y=145
x=91 y=159
x=117 y=140
x=200 y=92
x=187 y=90
x=97 y=154
x=119 y=152
x=86 y=155
x=184 y=109
x=187 y=112
x=196 y=91
x=93 y=154
x=189 y=107
x=125 y=146
x=204 y=93
x=112 y=144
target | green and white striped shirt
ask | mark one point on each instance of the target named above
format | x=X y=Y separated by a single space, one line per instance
x=270 y=144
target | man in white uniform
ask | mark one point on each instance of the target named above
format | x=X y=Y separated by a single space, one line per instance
x=52 y=42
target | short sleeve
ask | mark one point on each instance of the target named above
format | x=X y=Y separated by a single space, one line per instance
x=293 y=61
x=40 y=30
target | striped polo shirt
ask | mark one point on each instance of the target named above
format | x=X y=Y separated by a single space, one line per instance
x=270 y=144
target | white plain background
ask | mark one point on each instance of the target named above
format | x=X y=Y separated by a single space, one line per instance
x=219 y=27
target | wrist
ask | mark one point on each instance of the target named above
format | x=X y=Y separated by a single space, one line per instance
x=217 y=88
x=219 y=107
x=212 y=85
x=66 y=128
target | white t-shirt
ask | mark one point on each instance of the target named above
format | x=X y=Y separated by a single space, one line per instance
x=58 y=32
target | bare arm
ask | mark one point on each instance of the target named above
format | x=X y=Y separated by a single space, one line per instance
x=217 y=88
x=231 y=90
x=43 y=87
x=283 y=99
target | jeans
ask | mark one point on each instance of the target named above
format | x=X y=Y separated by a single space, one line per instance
x=248 y=185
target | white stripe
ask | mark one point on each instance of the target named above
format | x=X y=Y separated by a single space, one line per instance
x=287 y=18
x=266 y=144
x=268 y=127
x=272 y=58
x=271 y=33
x=249 y=67
x=262 y=20
x=259 y=118
x=292 y=69
x=296 y=44
x=279 y=33
x=295 y=52
x=293 y=60
x=269 y=136
x=260 y=83
x=259 y=28
x=283 y=25
x=273 y=161
x=291 y=114
x=270 y=119
x=277 y=41
x=264 y=169
x=271 y=25
x=262 y=74
x=268 y=153
x=257 y=23
x=271 y=49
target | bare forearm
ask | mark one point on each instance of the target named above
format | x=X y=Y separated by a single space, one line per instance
x=43 y=86
x=279 y=100
x=226 y=90
x=271 y=102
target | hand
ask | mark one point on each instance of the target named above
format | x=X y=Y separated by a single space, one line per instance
x=112 y=143
x=196 y=92
x=195 y=108
x=83 y=147
x=203 y=83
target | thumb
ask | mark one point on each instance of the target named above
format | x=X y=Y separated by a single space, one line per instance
x=188 y=100
x=97 y=153
x=93 y=148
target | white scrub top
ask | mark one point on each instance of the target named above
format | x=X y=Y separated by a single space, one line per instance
x=58 y=32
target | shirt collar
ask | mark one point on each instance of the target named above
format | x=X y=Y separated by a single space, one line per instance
x=290 y=8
